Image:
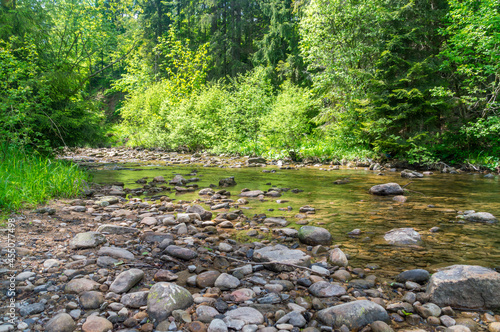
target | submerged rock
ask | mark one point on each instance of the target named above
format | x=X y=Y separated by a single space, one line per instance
x=403 y=236
x=465 y=286
x=482 y=217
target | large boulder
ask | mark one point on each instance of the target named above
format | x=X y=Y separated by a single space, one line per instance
x=483 y=217
x=314 y=235
x=281 y=253
x=165 y=297
x=387 y=189
x=403 y=236
x=465 y=286
x=355 y=315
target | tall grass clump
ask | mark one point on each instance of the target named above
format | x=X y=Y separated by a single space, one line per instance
x=28 y=178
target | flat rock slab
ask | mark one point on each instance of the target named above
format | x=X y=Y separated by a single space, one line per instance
x=355 y=315
x=278 y=221
x=281 y=253
x=326 y=289
x=80 y=285
x=252 y=193
x=126 y=280
x=87 y=240
x=180 y=252
x=116 y=253
x=165 y=297
x=465 y=286
x=246 y=314
x=118 y=230
x=403 y=236
x=482 y=217
x=387 y=189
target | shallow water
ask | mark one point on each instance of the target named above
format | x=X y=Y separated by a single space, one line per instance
x=432 y=201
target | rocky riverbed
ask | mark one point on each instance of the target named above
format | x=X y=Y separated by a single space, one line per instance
x=114 y=262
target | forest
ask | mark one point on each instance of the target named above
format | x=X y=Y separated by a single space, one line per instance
x=416 y=80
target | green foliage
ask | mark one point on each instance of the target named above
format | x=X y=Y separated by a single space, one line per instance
x=290 y=117
x=28 y=178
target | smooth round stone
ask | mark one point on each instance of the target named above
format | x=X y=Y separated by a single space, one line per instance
x=217 y=325
x=97 y=324
x=207 y=279
x=60 y=323
x=91 y=300
x=494 y=327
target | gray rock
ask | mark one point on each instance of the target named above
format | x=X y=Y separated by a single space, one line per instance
x=165 y=297
x=226 y=281
x=256 y=160
x=205 y=310
x=116 y=252
x=482 y=217
x=403 y=236
x=206 y=191
x=106 y=261
x=227 y=182
x=280 y=253
x=180 y=252
x=409 y=174
x=80 y=285
x=337 y=257
x=48 y=263
x=428 y=310
x=417 y=275
x=457 y=328
x=31 y=309
x=278 y=221
x=387 y=189
x=25 y=276
x=178 y=180
x=252 y=193
x=87 y=240
x=326 y=289
x=246 y=314
x=465 y=286
x=217 y=325
x=118 y=230
x=126 y=280
x=91 y=300
x=204 y=214
x=314 y=235
x=355 y=315
x=60 y=323
x=294 y=318
x=135 y=300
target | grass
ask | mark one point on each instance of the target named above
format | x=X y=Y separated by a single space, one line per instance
x=28 y=178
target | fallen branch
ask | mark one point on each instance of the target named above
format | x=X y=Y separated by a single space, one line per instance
x=262 y=263
x=407 y=184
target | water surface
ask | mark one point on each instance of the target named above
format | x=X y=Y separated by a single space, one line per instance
x=432 y=201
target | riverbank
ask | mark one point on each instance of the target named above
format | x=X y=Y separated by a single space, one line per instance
x=92 y=156
x=106 y=262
